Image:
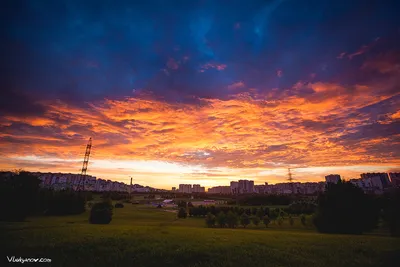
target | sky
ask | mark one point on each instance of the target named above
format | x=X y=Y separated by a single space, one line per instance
x=201 y=91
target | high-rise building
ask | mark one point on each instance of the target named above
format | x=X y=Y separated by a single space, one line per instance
x=234 y=187
x=196 y=188
x=332 y=178
x=246 y=186
x=384 y=177
x=395 y=178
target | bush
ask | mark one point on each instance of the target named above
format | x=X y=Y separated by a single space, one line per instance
x=256 y=220
x=266 y=220
x=159 y=206
x=210 y=220
x=119 y=205
x=344 y=208
x=244 y=220
x=182 y=213
x=65 y=202
x=101 y=213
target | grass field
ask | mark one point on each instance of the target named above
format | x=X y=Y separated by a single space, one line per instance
x=145 y=236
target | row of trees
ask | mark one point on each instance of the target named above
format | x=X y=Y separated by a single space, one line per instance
x=263 y=200
x=21 y=196
x=202 y=211
x=232 y=220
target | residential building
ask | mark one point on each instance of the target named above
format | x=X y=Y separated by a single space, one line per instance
x=226 y=190
x=332 y=178
x=245 y=186
x=395 y=178
x=234 y=187
x=384 y=177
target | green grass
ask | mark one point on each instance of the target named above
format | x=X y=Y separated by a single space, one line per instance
x=140 y=235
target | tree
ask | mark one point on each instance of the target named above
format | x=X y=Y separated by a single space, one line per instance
x=101 y=213
x=280 y=220
x=303 y=219
x=266 y=220
x=260 y=213
x=291 y=220
x=118 y=205
x=256 y=220
x=344 y=208
x=254 y=211
x=18 y=196
x=210 y=220
x=221 y=219
x=232 y=219
x=182 y=213
x=391 y=212
x=244 y=220
x=182 y=204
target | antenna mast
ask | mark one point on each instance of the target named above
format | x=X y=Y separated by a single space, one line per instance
x=82 y=178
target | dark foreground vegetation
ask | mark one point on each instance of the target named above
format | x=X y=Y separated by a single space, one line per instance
x=116 y=234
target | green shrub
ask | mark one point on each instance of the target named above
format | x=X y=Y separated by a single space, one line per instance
x=65 y=202
x=291 y=220
x=101 y=213
x=118 y=205
x=280 y=220
x=182 y=213
x=303 y=219
x=256 y=220
x=210 y=220
x=266 y=220
x=244 y=220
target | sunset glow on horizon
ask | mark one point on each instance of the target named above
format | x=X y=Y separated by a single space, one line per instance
x=207 y=99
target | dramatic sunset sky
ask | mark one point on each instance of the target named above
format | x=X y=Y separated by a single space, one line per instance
x=201 y=91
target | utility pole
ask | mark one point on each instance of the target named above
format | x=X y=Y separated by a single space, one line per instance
x=130 y=188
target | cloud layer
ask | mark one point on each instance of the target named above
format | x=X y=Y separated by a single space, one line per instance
x=218 y=95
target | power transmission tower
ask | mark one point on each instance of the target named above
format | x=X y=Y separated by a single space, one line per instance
x=290 y=179
x=82 y=178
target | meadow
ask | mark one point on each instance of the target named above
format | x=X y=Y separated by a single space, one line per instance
x=142 y=235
